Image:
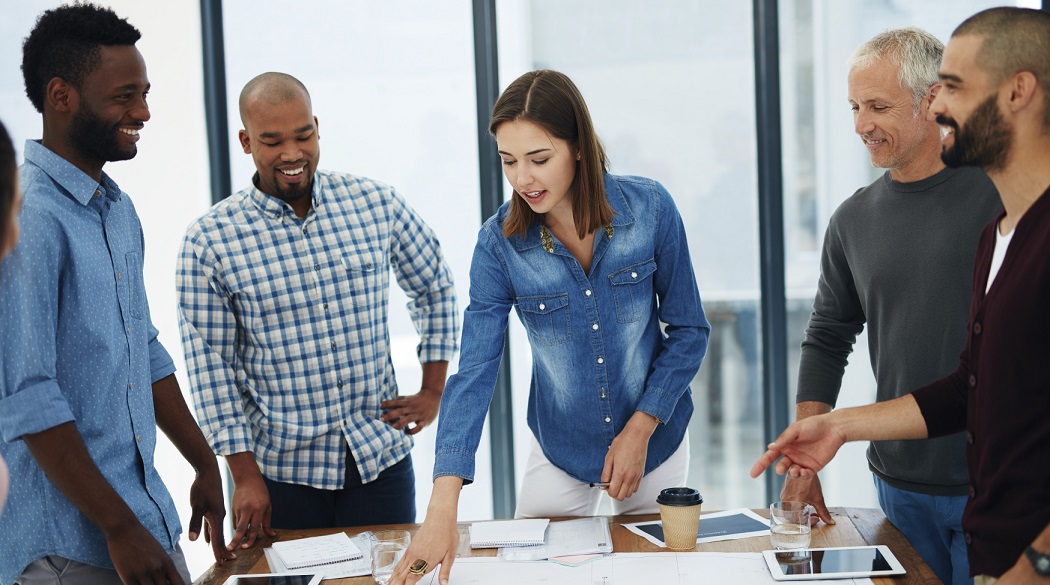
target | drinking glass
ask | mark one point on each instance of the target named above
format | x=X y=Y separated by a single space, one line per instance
x=387 y=548
x=789 y=524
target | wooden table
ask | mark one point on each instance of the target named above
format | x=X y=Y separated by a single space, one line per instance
x=855 y=526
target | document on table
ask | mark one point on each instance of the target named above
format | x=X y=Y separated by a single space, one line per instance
x=352 y=568
x=497 y=533
x=565 y=538
x=726 y=525
x=623 y=569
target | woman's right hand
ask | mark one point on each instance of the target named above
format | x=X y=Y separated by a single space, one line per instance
x=435 y=542
x=437 y=539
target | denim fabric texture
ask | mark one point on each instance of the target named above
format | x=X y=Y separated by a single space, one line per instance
x=285 y=328
x=599 y=352
x=77 y=344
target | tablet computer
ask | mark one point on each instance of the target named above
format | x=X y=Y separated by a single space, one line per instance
x=832 y=563
x=276 y=579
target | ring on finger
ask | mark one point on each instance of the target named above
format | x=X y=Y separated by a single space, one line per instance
x=418 y=567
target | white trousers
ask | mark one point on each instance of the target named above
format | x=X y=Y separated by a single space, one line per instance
x=547 y=491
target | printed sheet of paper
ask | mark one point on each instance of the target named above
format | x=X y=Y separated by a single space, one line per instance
x=623 y=569
x=726 y=525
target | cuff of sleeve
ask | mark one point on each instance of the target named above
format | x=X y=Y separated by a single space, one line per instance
x=160 y=363
x=454 y=462
x=659 y=403
x=436 y=349
x=230 y=440
x=34 y=409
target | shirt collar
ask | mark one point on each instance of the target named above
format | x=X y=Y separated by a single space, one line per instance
x=276 y=208
x=76 y=182
x=622 y=215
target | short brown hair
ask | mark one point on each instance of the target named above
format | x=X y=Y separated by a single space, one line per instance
x=1013 y=40
x=551 y=100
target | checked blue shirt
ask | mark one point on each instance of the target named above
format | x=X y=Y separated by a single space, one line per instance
x=284 y=325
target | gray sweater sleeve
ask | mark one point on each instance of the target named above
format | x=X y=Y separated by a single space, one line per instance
x=836 y=321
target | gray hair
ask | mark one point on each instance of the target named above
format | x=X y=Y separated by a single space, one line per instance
x=916 y=52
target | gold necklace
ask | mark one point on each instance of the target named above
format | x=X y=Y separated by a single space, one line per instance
x=547 y=240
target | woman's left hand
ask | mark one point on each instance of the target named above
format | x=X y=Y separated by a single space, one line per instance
x=625 y=461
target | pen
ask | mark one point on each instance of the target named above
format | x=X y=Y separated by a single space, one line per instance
x=600 y=484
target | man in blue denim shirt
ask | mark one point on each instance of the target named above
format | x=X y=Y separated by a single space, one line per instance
x=84 y=382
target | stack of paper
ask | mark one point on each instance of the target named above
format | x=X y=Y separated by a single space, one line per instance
x=497 y=533
x=321 y=552
x=569 y=538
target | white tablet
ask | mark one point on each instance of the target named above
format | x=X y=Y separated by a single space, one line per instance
x=832 y=563
x=276 y=579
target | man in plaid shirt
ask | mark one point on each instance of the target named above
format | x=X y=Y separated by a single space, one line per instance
x=283 y=291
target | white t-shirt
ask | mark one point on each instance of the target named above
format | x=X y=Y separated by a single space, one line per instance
x=1002 y=242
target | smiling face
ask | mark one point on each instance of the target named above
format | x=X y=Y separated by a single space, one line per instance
x=894 y=131
x=111 y=108
x=975 y=132
x=283 y=141
x=539 y=167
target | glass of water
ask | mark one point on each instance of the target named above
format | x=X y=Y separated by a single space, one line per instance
x=789 y=524
x=387 y=548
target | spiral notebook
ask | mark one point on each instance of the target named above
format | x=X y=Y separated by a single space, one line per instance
x=317 y=550
x=498 y=533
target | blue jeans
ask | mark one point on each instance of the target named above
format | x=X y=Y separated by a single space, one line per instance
x=933 y=525
x=390 y=499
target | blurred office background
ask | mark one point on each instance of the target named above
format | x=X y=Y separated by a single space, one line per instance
x=672 y=89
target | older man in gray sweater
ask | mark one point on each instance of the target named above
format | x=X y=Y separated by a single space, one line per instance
x=898 y=257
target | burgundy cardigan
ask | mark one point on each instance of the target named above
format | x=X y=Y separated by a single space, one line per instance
x=1000 y=394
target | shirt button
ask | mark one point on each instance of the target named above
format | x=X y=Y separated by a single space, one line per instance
x=634 y=275
x=973 y=381
x=317 y=266
x=587 y=292
x=339 y=384
x=973 y=491
x=129 y=385
x=128 y=330
x=607 y=419
x=118 y=276
x=977 y=328
x=333 y=345
x=969 y=538
x=542 y=306
x=368 y=265
x=97 y=192
x=601 y=360
x=326 y=306
x=969 y=438
x=138 y=438
x=304 y=229
x=594 y=326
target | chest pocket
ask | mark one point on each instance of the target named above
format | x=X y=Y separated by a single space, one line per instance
x=632 y=290
x=546 y=318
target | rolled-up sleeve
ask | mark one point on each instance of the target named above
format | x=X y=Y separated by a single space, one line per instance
x=31 y=399
x=427 y=281
x=208 y=328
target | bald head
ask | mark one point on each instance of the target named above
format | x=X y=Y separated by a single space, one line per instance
x=271 y=88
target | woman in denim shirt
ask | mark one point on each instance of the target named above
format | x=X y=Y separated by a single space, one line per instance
x=593 y=264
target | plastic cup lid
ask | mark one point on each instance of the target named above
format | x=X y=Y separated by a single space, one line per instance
x=679 y=496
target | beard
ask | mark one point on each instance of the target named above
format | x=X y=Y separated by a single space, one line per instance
x=984 y=142
x=97 y=138
x=287 y=193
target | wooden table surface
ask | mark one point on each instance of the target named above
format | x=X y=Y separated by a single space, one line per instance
x=854 y=526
